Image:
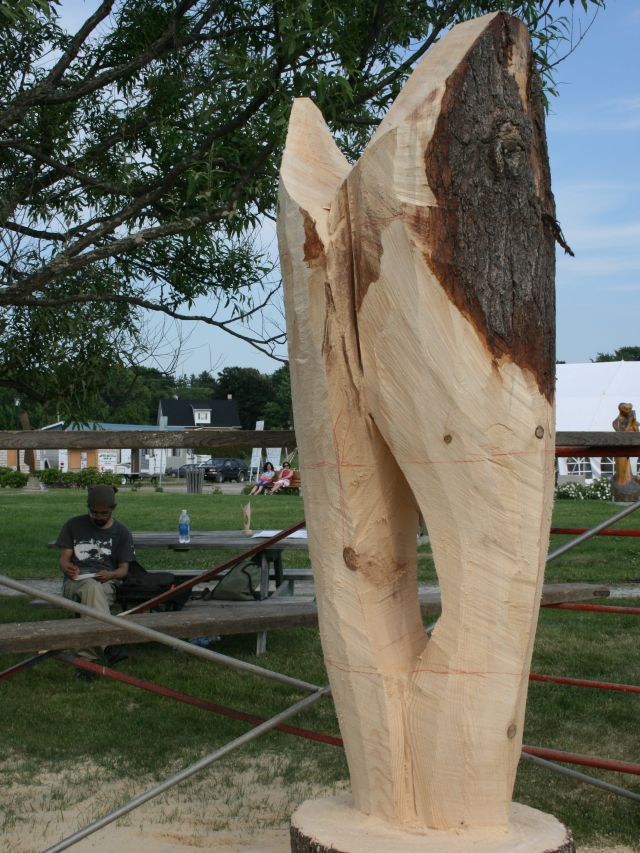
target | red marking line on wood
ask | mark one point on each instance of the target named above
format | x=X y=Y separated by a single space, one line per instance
x=343 y=667
x=474 y=459
x=314 y=466
x=470 y=460
x=574 y=682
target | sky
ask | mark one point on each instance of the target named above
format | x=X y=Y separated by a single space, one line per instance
x=593 y=131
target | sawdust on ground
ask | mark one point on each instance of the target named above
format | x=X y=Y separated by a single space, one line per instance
x=242 y=806
x=239 y=807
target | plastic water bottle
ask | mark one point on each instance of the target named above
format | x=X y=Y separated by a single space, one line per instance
x=184 y=528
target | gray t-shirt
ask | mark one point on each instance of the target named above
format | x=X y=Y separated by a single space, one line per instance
x=96 y=548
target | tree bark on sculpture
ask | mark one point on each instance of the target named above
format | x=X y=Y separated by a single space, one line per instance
x=420 y=314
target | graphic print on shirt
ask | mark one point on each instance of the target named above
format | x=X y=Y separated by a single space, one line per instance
x=93 y=549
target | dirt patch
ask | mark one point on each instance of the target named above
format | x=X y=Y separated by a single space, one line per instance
x=239 y=807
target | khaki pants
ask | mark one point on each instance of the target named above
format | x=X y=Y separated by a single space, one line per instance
x=100 y=596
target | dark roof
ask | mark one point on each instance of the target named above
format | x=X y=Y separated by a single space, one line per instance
x=102 y=425
x=224 y=413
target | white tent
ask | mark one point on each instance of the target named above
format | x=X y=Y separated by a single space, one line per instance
x=587 y=397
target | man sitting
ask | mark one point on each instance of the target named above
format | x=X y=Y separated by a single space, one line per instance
x=95 y=552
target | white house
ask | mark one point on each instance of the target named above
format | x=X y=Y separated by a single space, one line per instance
x=193 y=414
x=587 y=397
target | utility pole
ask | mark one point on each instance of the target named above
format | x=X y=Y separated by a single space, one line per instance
x=17 y=405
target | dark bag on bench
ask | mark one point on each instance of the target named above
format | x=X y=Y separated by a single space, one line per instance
x=241 y=583
x=141 y=585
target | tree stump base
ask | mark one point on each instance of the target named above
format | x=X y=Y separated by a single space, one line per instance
x=625 y=492
x=335 y=826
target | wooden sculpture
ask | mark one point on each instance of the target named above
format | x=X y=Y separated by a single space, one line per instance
x=246 y=519
x=420 y=314
x=624 y=486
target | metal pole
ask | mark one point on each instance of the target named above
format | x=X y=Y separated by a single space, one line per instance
x=594 y=608
x=583 y=777
x=158 y=636
x=592 y=532
x=25 y=664
x=188 y=771
x=168 y=693
x=17 y=405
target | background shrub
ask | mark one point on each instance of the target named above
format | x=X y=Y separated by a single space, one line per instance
x=598 y=490
x=72 y=479
x=10 y=479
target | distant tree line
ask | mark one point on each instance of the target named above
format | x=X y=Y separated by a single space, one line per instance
x=131 y=396
x=621 y=354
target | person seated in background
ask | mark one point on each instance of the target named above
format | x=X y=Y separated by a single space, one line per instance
x=95 y=552
x=283 y=479
x=264 y=480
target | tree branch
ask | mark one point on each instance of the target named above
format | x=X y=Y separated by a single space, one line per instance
x=578 y=42
x=117 y=298
x=37 y=96
x=76 y=43
x=34 y=232
x=66 y=262
x=70 y=171
x=446 y=14
x=172 y=176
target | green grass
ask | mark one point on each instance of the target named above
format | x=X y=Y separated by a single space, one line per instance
x=50 y=720
x=603 y=559
x=35 y=519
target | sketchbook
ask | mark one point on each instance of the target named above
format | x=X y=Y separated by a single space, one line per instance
x=267 y=534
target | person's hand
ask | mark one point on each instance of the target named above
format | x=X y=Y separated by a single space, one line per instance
x=70 y=571
x=104 y=576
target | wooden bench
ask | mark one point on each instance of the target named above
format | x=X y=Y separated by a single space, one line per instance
x=284 y=578
x=294 y=488
x=207 y=618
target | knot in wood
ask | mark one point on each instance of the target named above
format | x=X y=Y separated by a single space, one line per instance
x=539 y=432
x=448 y=439
x=510 y=151
x=511 y=731
x=351 y=559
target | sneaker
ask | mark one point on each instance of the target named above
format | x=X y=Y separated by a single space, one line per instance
x=85 y=675
x=115 y=654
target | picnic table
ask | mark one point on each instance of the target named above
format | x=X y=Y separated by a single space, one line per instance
x=217 y=539
x=270 y=559
x=223 y=539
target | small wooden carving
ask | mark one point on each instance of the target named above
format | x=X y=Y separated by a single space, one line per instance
x=420 y=314
x=624 y=486
x=246 y=519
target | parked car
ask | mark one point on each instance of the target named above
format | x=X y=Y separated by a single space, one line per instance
x=182 y=470
x=220 y=470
